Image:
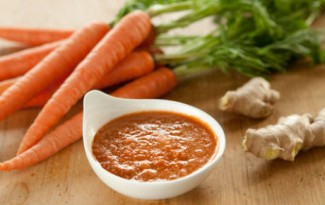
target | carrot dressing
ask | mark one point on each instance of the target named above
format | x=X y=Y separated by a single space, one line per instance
x=154 y=145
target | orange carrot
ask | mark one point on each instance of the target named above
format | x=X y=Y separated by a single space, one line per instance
x=40 y=99
x=165 y=81
x=71 y=130
x=150 y=38
x=19 y=63
x=5 y=84
x=64 y=135
x=136 y=64
x=115 y=46
x=133 y=66
x=33 y=36
x=55 y=65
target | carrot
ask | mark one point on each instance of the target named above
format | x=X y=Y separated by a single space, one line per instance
x=33 y=36
x=149 y=41
x=40 y=99
x=165 y=81
x=115 y=46
x=64 y=135
x=19 y=63
x=133 y=66
x=5 y=84
x=71 y=130
x=45 y=94
x=55 y=65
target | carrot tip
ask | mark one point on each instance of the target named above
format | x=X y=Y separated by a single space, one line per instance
x=21 y=149
x=2 y=167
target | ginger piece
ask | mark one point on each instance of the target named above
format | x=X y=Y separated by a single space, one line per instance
x=254 y=99
x=318 y=129
x=285 y=139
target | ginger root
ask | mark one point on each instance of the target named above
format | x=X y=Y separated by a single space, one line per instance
x=254 y=99
x=285 y=139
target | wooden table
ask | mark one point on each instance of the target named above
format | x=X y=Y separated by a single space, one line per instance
x=240 y=178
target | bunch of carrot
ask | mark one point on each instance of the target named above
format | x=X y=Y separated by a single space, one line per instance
x=65 y=65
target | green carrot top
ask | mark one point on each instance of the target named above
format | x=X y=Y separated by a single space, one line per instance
x=253 y=37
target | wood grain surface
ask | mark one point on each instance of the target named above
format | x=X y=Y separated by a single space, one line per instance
x=240 y=178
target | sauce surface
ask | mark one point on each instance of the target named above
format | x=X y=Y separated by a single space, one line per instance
x=154 y=145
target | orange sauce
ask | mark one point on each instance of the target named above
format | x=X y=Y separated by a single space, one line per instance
x=154 y=145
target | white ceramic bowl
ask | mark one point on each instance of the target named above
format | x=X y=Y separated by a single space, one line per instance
x=99 y=108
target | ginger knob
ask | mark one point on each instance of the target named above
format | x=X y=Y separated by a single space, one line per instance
x=254 y=99
x=285 y=139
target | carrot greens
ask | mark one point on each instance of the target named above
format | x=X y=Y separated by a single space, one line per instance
x=253 y=37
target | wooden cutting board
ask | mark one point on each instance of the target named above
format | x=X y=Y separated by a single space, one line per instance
x=240 y=178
